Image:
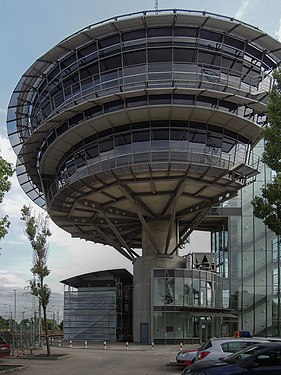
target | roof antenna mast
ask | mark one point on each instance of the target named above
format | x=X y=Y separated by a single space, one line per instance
x=156 y=6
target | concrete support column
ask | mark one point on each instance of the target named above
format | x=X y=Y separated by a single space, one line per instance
x=163 y=236
x=142 y=298
x=143 y=266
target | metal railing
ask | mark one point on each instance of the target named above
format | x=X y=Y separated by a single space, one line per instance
x=156 y=159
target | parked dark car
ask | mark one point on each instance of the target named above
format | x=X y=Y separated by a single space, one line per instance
x=262 y=359
x=5 y=347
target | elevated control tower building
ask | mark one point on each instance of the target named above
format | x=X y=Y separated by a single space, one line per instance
x=129 y=131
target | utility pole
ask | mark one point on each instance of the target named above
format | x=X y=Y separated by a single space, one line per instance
x=14 y=322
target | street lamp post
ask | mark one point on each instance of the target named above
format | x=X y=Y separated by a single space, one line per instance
x=14 y=322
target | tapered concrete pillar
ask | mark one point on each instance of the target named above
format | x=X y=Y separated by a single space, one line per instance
x=158 y=236
x=155 y=234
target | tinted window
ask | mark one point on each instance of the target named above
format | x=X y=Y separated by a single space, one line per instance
x=138 y=101
x=109 y=41
x=234 y=42
x=161 y=54
x=233 y=347
x=92 y=150
x=185 y=54
x=93 y=111
x=186 y=31
x=160 y=134
x=270 y=358
x=210 y=35
x=140 y=136
x=68 y=61
x=207 y=345
x=206 y=57
x=159 y=99
x=110 y=63
x=159 y=31
x=122 y=139
x=131 y=35
x=106 y=145
x=85 y=51
x=133 y=58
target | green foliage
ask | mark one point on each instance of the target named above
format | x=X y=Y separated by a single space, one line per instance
x=272 y=132
x=61 y=325
x=4 y=225
x=268 y=206
x=37 y=232
x=6 y=171
x=4 y=323
x=41 y=291
x=52 y=325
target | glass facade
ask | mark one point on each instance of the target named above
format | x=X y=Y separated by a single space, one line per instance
x=150 y=54
x=253 y=264
x=248 y=256
x=150 y=142
x=188 y=306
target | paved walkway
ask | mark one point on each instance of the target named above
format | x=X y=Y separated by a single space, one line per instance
x=95 y=360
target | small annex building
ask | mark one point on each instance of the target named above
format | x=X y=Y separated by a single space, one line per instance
x=98 y=306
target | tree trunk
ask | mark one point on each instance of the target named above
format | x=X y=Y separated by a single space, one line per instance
x=46 y=331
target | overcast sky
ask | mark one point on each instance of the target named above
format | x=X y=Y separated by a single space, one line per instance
x=28 y=28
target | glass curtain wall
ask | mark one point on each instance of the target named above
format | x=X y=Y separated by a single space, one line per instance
x=187 y=305
x=254 y=264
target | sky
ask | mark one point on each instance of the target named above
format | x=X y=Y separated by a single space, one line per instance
x=28 y=29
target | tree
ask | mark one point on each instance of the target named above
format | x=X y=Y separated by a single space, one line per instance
x=268 y=206
x=37 y=231
x=4 y=324
x=6 y=171
x=53 y=325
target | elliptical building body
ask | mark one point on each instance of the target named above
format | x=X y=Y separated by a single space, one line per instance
x=136 y=131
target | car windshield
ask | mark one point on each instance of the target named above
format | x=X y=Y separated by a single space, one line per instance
x=244 y=353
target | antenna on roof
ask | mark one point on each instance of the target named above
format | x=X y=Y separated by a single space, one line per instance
x=156 y=6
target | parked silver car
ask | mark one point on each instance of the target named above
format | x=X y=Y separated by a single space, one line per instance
x=219 y=348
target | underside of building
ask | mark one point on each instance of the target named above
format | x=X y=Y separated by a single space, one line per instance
x=138 y=130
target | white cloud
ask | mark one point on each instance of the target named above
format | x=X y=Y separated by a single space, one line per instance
x=6 y=150
x=278 y=32
x=8 y=279
x=242 y=11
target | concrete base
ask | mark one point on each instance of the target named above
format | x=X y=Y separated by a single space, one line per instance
x=142 y=301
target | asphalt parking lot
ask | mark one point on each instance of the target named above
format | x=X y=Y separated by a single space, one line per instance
x=116 y=359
